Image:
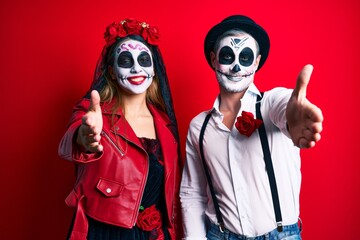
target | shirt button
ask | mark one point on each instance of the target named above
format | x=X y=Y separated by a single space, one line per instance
x=108 y=190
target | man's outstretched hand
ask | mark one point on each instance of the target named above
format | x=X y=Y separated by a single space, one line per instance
x=304 y=119
x=88 y=136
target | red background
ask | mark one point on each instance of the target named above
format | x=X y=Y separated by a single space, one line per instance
x=48 y=52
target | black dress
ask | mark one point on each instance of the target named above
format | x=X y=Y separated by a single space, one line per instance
x=153 y=194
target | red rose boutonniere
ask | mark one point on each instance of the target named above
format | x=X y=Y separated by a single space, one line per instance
x=246 y=124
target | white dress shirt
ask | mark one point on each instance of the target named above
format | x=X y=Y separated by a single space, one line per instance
x=238 y=173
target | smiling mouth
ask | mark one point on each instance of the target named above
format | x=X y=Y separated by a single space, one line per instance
x=236 y=78
x=136 y=80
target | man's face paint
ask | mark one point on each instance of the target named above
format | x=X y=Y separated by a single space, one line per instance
x=133 y=66
x=235 y=62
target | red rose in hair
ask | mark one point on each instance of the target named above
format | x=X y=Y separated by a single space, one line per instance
x=111 y=32
x=122 y=32
x=149 y=219
x=246 y=124
x=151 y=35
x=132 y=26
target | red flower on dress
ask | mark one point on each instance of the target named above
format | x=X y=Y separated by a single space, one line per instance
x=131 y=26
x=149 y=219
x=246 y=124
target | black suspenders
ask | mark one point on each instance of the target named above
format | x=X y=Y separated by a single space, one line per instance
x=268 y=163
x=216 y=204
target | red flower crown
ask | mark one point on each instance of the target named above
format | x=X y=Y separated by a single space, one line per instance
x=131 y=26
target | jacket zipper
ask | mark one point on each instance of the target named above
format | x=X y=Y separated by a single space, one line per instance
x=146 y=177
x=147 y=173
x=122 y=154
x=173 y=202
x=112 y=142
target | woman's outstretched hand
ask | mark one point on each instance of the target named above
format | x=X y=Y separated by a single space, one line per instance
x=88 y=135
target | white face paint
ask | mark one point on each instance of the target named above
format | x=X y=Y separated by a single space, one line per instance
x=133 y=66
x=235 y=62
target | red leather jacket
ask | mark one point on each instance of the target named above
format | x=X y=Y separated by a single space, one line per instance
x=110 y=184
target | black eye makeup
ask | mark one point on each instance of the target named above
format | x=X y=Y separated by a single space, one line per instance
x=125 y=60
x=226 y=55
x=144 y=59
x=246 y=57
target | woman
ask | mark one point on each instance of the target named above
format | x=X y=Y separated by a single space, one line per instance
x=123 y=140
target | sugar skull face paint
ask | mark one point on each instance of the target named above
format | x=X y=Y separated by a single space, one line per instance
x=133 y=66
x=235 y=61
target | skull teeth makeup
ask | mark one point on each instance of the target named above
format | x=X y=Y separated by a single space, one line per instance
x=236 y=78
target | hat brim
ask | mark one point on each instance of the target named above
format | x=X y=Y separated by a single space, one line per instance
x=256 y=31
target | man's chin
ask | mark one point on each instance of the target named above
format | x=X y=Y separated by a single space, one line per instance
x=233 y=89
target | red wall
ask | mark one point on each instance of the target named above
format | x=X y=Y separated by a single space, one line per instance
x=48 y=52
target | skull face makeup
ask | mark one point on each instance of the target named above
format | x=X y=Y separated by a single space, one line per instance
x=133 y=66
x=235 y=61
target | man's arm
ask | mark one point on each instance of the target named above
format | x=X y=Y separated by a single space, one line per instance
x=193 y=194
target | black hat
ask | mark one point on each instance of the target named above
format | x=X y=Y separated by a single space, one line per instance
x=238 y=22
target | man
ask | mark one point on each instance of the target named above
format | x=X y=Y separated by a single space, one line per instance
x=253 y=164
